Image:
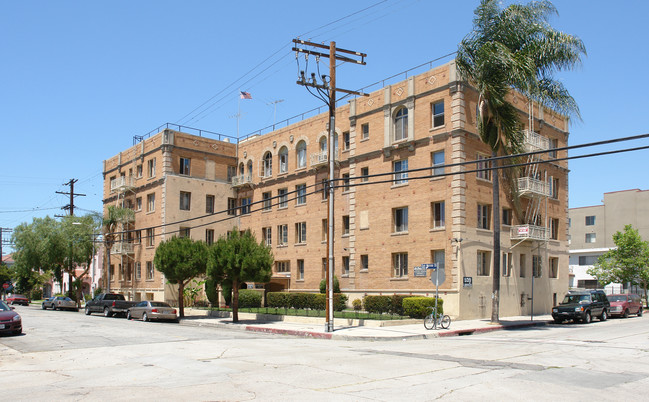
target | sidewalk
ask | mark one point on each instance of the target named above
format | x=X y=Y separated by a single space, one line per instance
x=366 y=333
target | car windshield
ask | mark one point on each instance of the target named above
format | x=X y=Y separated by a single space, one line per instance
x=159 y=304
x=569 y=299
x=4 y=307
x=18 y=296
x=67 y=299
x=617 y=298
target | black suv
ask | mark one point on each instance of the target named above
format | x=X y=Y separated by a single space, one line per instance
x=582 y=305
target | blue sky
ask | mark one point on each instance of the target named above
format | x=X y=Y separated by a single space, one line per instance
x=81 y=78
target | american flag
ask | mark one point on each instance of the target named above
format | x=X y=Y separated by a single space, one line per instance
x=245 y=95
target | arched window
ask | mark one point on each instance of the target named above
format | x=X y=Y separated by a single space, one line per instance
x=401 y=124
x=268 y=165
x=242 y=169
x=250 y=169
x=301 y=154
x=283 y=160
x=323 y=144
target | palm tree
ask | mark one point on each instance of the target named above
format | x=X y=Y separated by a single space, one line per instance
x=514 y=49
x=111 y=221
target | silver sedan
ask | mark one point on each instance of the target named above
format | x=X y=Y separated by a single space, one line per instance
x=152 y=310
x=61 y=303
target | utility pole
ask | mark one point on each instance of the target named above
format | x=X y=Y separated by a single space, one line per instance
x=70 y=206
x=330 y=99
x=5 y=230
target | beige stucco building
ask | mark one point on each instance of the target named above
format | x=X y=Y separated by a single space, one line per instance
x=407 y=192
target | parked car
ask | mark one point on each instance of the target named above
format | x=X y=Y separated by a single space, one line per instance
x=47 y=303
x=582 y=306
x=109 y=304
x=18 y=299
x=63 y=303
x=10 y=321
x=152 y=310
x=623 y=305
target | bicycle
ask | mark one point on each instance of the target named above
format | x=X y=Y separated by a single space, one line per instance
x=432 y=320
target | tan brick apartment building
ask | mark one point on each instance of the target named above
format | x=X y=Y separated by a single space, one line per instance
x=387 y=225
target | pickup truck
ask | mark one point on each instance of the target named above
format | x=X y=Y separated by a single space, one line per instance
x=108 y=304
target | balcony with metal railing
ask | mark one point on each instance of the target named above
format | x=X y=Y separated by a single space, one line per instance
x=531 y=187
x=528 y=232
x=242 y=180
x=535 y=141
x=122 y=248
x=321 y=158
x=121 y=184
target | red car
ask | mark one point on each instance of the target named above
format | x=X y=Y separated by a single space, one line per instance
x=9 y=320
x=623 y=305
x=17 y=299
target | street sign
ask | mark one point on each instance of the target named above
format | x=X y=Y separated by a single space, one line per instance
x=420 y=271
x=438 y=276
x=467 y=281
x=6 y=285
x=432 y=266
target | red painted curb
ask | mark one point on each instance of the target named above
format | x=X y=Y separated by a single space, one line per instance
x=279 y=331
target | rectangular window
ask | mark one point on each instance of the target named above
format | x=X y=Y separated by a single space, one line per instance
x=400 y=220
x=209 y=204
x=506 y=217
x=346 y=141
x=439 y=258
x=554 y=188
x=150 y=237
x=282 y=235
x=283 y=197
x=151 y=168
x=185 y=200
x=138 y=171
x=300 y=270
x=266 y=197
x=300 y=191
x=345 y=266
x=365 y=262
x=245 y=205
x=300 y=232
x=553 y=145
x=400 y=264
x=365 y=131
x=325 y=188
x=325 y=229
x=365 y=171
x=521 y=266
x=184 y=166
x=483 y=263
x=232 y=171
x=591 y=237
x=209 y=236
x=438 y=215
x=400 y=169
x=137 y=239
x=536 y=266
x=590 y=220
x=484 y=216
x=345 y=225
x=483 y=167
x=138 y=270
x=506 y=267
x=554 y=229
x=553 y=267
x=324 y=267
x=183 y=232
x=345 y=182
x=438 y=160
x=438 y=114
x=588 y=259
x=150 y=202
x=149 y=270
x=267 y=234
x=232 y=206
x=138 y=204
x=282 y=266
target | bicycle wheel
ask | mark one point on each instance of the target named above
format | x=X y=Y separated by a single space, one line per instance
x=446 y=322
x=429 y=322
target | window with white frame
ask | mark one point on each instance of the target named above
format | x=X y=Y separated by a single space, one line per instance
x=282 y=266
x=283 y=160
x=400 y=264
x=266 y=200
x=138 y=171
x=150 y=202
x=300 y=191
x=301 y=154
x=185 y=200
x=267 y=165
x=536 y=266
x=554 y=228
x=438 y=214
x=506 y=267
x=183 y=232
x=245 y=205
x=325 y=230
x=209 y=204
x=300 y=232
x=439 y=258
x=365 y=262
x=283 y=197
x=345 y=266
x=138 y=270
x=150 y=237
x=151 y=168
x=554 y=187
x=400 y=170
x=150 y=272
x=209 y=236
x=185 y=164
x=484 y=216
x=345 y=225
x=267 y=235
x=591 y=237
x=553 y=145
x=437 y=111
x=590 y=220
x=483 y=263
x=346 y=141
x=365 y=131
x=401 y=124
x=438 y=160
x=232 y=171
x=300 y=270
x=282 y=235
x=553 y=267
x=345 y=182
x=400 y=220
x=365 y=172
x=483 y=167
x=232 y=206
x=138 y=204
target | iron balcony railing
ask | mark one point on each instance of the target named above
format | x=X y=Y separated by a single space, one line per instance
x=529 y=186
x=122 y=248
x=242 y=180
x=122 y=183
x=531 y=232
x=535 y=141
x=321 y=158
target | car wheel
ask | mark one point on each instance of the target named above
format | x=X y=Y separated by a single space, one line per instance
x=558 y=320
x=587 y=318
x=107 y=312
x=128 y=315
x=640 y=312
x=604 y=315
x=87 y=310
x=43 y=307
x=626 y=313
x=54 y=308
x=145 y=317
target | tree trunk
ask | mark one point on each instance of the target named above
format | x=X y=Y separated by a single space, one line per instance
x=235 y=300
x=495 y=296
x=181 y=299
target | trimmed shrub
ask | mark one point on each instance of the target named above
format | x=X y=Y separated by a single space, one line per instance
x=278 y=299
x=357 y=304
x=377 y=304
x=211 y=292
x=340 y=301
x=396 y=304
x=299 y=300
x=249 y=298
x=312 y=301
x=419 y=307
x=323 y=285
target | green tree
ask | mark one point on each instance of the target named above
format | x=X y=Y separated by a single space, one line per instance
x=181 y=259
x=627 y=263
x=513 y=48
x=238 y=258
x=80 y=234
x=111 y=222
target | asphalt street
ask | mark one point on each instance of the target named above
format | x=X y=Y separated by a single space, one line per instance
x=70 y=356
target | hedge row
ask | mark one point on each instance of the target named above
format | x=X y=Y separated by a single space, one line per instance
x=407 y=305
x=249 y=298
x=312 y=301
